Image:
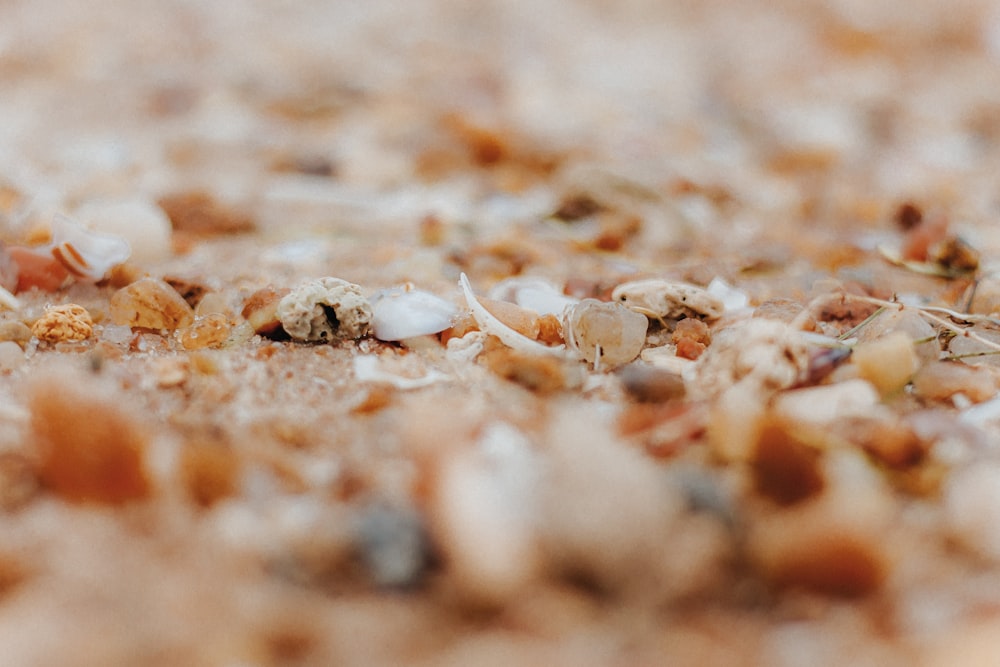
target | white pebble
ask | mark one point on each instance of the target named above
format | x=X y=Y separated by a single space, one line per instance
x=325 y=310
x=139 y=221
x=972 y=504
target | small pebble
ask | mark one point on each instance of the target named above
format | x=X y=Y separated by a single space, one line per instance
x=888 y=363
x=648 y=384
x=605 y=334
x=67 y=322
x=11 y=356
x=261 y=310
x=151 y=304
x=208 y=331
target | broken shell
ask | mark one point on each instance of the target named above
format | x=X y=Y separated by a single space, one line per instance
x=663 y=299
x=605 y=334
x=489 y=324
x=86 y=254
x=324 y=310
x=405 y=312
x=535 y=294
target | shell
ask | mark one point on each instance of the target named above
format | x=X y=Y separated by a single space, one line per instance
x=86 y=254
x=489 y=324
x=405 y=312
x=658 y=299
x=535 y=294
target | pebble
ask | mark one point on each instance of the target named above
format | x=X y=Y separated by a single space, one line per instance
x=11 y=356
x=648 y=384
x=941 y=380
x=325 y=310
x=67 y=322
x=207 y=331
x=261 y=310
x=151 y=304
x=605 y=334
x=90 y=448
x=15 y=330
x=888 y=363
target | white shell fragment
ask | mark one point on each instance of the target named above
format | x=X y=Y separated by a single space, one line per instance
x=664 y=299
x=534 y=294
x=86 y=254
x=763 y=356
x=405 y=312
x=325 y=310
x=366 y=369
x=605 y=334
x=489 y=324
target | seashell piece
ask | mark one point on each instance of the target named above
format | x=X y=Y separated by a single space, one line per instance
x=663 y=299
x=325 y=310
x=405 y=312
x=86 y=254
x=489 y=324
x=535 y=294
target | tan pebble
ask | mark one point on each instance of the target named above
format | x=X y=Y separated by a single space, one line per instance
x=648 y=384
x=941 y=380
x=550 y=330
x=151 y=304
x=213 y=302
x=535 y=372
x=67 y=322
x=15 y=330
x=208 y=331
x=888 y=363
x=11 y=356
x=521 y=320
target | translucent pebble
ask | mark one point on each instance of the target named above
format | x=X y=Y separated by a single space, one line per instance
x=605 y=334
x=208 y=331
x=151 y=304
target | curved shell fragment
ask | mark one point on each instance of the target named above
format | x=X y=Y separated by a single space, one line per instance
x=489 y=324
x=86 y=254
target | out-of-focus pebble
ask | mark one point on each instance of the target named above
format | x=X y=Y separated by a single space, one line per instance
x=208 y=331
x=139 y=221
x=972 y=503
x=15 y=330
x=11 y=356
x=66 y=322
x=543 y=374
x=940 y=380
x=151 y=304
x=907 y=321
x=90 y=448
x=608 y=334
x=826 y=404
x=393 y=545
x=9 y=270
x=764 y=355
x=325 y=310
x=648 y=384
x=888 y=363
x=986 y=300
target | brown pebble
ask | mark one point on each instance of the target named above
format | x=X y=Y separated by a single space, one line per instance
x=538 y=373
x=210 y=472
x=521 y=320
x=89 y=448
x=784 y=469
x=199 y=214
x=15 y=330
x=261 y=310
x=150 y=304
x=191 y=291
x=649 y=384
